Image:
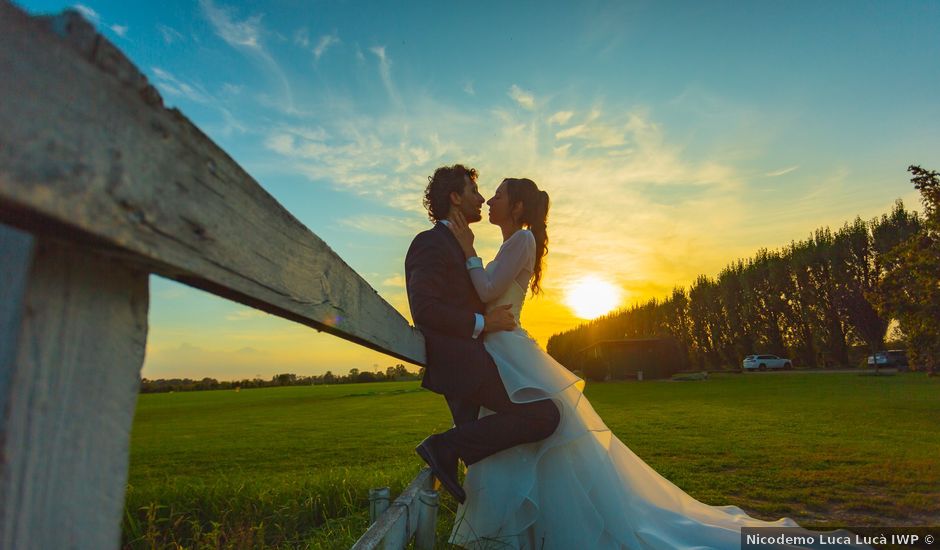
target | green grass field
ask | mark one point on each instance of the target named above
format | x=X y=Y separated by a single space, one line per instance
x=291 y=467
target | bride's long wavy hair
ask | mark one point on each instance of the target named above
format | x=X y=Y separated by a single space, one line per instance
x=534 y=216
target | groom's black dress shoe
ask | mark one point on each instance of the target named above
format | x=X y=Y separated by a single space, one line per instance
x=443 y=463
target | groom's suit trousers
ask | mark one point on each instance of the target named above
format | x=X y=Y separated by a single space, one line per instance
x=511 y=424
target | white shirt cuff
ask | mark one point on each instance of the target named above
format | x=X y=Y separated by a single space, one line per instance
x=473 y=262
x=479 y=326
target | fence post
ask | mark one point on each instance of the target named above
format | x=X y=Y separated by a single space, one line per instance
x=73 y=338
x=397 y=536
x=378 y=502
x=427 y=520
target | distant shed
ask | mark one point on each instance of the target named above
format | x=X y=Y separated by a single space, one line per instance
x=623 y=359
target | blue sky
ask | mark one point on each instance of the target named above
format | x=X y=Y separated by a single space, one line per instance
x=673 y=137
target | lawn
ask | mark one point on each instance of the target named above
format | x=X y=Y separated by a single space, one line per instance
x=291 y=467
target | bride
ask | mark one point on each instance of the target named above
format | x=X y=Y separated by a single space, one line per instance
x=581 y=487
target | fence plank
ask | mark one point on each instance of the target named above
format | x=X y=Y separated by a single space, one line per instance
x=78 y=346
x=88 y=153
x=401 y=516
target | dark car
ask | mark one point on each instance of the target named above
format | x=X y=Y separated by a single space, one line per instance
x=896 y=358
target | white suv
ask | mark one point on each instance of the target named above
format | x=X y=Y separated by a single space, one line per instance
x=764 y=362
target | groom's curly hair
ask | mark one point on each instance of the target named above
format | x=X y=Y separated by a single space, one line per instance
x=446 y=180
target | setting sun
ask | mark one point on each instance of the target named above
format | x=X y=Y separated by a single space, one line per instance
x=592 y=297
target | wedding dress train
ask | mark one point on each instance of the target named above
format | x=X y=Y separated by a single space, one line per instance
x=581 y=488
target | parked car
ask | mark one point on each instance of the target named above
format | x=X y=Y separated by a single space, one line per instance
x=891 y=358
x=764 y=362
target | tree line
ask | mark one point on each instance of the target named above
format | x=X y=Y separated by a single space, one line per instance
x=810 y=301
x=392 y=374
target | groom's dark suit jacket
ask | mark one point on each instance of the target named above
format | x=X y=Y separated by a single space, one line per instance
x=443 y=303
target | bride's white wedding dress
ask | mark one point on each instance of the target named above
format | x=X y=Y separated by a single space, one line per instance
x=581 y=488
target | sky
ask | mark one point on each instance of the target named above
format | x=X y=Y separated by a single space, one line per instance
x=672 y=137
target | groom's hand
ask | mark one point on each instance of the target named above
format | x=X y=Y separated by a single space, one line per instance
x=499 y=319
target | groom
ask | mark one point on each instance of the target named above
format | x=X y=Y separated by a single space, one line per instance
x=447 y=310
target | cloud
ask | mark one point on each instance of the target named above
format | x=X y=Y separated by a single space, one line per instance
x=169 y=34
x=170 y=85
x=574 y=131
x=388 y=225
x=777 y=173
x=468 y=87
x=387 y=158
x=88 y=13
x=245 y=315
x=628 y=201
x=385 y=72
x=396 y=281
x=525 y=99
x=120 y=30
x=246 y=35
x=302 y=38
x=95 y=19
x=562 y=150
x=561 y=117
x=324 y=44
x=232 y=89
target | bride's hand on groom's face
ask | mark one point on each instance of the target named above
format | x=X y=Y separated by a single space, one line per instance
x=461 y=229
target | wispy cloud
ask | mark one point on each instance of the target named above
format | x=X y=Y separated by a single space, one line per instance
x=561 y=117
x=245 y=315
x=385 y=72
x=170 y=85
x=776 y=173
x=574 y=131
x=395 y=281
x=386 y=158
x=232 y=89
x=387 y=225
x=120 y=30
x=169 y=34
x=324 y=44
x=88 y=13
x=95 y=19
x=524 y=98
x=666 y=213
x=561 y=150
x=468 y=87
x=173 y=86
x=302 y=38
x=616 y=167
x=246 y=35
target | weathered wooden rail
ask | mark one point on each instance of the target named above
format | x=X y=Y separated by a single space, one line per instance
x=412 y=514
x=100 y=186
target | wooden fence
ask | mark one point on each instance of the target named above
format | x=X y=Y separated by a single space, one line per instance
x=413 y=514
x=100 y=186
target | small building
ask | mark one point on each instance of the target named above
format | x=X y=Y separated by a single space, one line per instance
x=623 y=359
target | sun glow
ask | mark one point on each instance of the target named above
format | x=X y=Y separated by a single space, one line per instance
x=591 y=297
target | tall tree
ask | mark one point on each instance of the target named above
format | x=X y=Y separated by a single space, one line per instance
x=855 y=274
x=910 y=289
